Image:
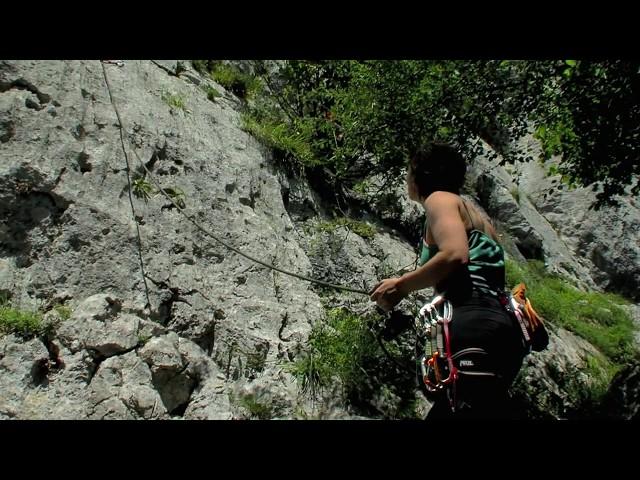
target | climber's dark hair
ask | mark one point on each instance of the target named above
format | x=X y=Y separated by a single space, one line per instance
x=437 y=166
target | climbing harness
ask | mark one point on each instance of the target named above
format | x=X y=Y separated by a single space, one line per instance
x=442 y=371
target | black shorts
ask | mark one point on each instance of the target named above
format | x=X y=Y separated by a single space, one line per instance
x=482 y=322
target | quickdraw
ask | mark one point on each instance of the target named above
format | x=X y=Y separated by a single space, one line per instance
x=437 y=360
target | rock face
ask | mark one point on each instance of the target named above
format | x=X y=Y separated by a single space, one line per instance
x=99 y=366
x=605 y=242
x=68 y=233
x=599 y=249
x=96 y=328
x=556 y=377
x=206 y=333
x=623 y=398
x=22 y=365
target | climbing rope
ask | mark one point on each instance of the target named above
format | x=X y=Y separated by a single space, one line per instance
x=195 y=223
x=128 y=170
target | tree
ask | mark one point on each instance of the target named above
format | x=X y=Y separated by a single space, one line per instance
x=591 y=117
x=343 y=120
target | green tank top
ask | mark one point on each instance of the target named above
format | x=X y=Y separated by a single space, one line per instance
x=486 y=263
